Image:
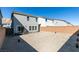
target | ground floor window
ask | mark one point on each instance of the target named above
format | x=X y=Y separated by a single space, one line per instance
x=32 y=27
x=35 y=27
x=29 y=27
x=20 y=28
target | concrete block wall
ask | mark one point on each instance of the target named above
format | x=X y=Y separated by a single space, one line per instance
x=62 y=29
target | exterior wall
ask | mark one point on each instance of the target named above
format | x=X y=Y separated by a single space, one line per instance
x=16 y=44
x=62 y=29
x=2 y=36
x=50 y=23
x=15 y=24
x=20 y=20
x=42 y=22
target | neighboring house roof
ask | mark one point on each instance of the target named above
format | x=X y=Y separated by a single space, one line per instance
x=63 y=21
x=56 y=19
x=6 y=21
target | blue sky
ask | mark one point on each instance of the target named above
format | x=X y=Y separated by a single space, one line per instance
x=70 y=14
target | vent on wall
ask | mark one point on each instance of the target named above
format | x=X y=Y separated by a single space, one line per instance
x=18 y=40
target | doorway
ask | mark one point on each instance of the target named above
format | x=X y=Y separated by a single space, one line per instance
x=39 y=27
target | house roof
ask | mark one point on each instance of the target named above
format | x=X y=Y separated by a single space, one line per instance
x=55 y=19
x=39 y=16
x=63 y=21
x=24 y=14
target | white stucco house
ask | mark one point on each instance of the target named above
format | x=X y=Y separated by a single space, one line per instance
x=24 y=23
x=42 y=21
x=52 y=22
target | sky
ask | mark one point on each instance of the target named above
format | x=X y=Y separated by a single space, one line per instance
x=70 y=14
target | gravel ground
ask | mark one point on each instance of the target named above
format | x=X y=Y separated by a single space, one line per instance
x=46 y=41
x=42 y=42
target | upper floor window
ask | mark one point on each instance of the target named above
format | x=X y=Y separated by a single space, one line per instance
x=27 y=18
x=46 y=19
x=36 y=19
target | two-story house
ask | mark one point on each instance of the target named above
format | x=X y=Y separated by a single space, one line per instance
x=24 y=23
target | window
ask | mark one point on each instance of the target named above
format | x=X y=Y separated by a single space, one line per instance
x=36 y=19
x=32 y=27
x=27 y=18
x=46 y=19
x=35 y=27
x=29 y=27
x=20 y=29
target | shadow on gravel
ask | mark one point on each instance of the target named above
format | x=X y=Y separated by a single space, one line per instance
x=70 y=45
x=16 y=44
